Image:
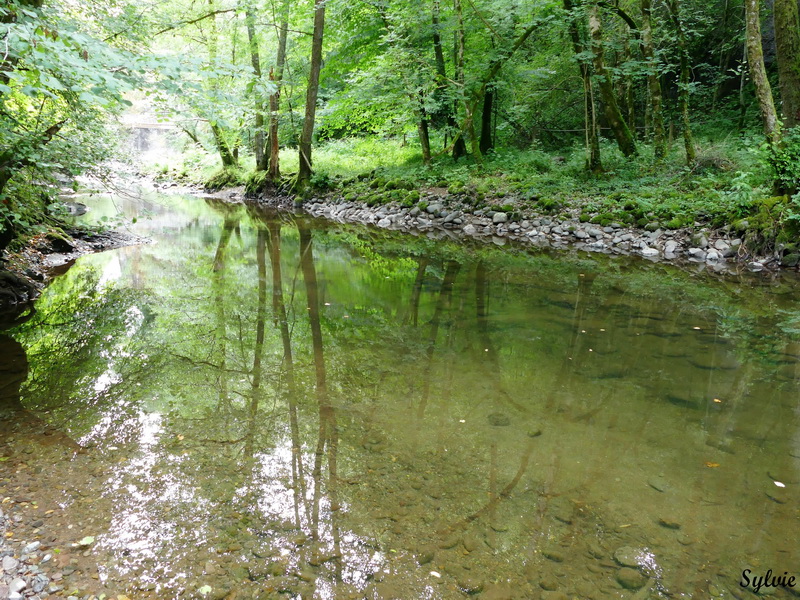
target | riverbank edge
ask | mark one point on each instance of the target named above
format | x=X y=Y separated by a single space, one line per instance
x=24 y=274
x=440 y=214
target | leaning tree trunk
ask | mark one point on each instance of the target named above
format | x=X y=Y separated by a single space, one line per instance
x=620 y=129
x=755 y=57
x=787 y=38
x=683 y=94
x=304 y=174
x=653 y=83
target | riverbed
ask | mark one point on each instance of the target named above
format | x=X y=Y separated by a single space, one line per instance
x=261 y=404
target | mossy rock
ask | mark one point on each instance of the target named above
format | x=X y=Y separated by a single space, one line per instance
x=790 y=260
x=584 y=217
x=456 y=188
x=442 y=183
x=642 y=221
x=482 y=188
x=222 y=179
x=376 y=183
x=652 y=226
x=423 y=205
x=393 y=184
x=675 y=223
x=350 y=196
x=412 y=196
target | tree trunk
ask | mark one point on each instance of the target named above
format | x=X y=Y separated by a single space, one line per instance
x=683 y=93
x=787 y=38
x=226 y=155
x=276 y=76
x=424 y=138
x=445 y=106
x=755 y=57
x=259 y=146
x=742 y=87
x=304 y=174
x=593 y=162
x=459 y=148
x=653 y=83
x=622 y=134
x=487 y=143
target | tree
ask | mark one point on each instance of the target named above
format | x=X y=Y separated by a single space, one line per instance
x=787 y=39
x=58 y=86
x=304 y=173
x=276 y=77
x=619 y=127
x=683 y=90
x=653 y=81
x=758 y=73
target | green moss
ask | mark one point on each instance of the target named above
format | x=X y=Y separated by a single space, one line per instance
x=585 y=217
x=548 y=205
x=222 y=179
x=255 y=183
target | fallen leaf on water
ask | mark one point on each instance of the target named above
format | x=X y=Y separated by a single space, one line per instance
x=712 y=465
x=180 y=438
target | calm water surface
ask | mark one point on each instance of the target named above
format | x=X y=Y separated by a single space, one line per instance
x=266 y=406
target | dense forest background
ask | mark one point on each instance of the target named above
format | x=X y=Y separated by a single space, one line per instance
x=681 y=107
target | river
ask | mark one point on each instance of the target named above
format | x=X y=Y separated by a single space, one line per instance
x=264 y=405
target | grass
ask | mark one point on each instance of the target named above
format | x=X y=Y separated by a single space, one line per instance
x=725 y=185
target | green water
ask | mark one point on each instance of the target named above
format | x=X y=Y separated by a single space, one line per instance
x=258 y=405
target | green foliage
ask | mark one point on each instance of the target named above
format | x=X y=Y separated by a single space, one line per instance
x=786 y=161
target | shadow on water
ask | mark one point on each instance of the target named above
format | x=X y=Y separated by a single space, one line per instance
x=278 y=407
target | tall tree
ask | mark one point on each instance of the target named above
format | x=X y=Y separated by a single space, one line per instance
x=653 y=82
x=304 y=173
x=259 y=146
x=683 y=92
x=619 y=127
x=446 y=106
x=593 y=162
x=787 y=39
x=274 y=100
x=758 y=73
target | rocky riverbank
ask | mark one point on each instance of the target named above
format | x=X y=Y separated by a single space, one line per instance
x=23 y=566
x=439 y=215
x=25 y=273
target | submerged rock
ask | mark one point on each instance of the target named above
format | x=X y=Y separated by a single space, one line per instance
x=627 y=556
x=499 y=420
x=630 y=579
